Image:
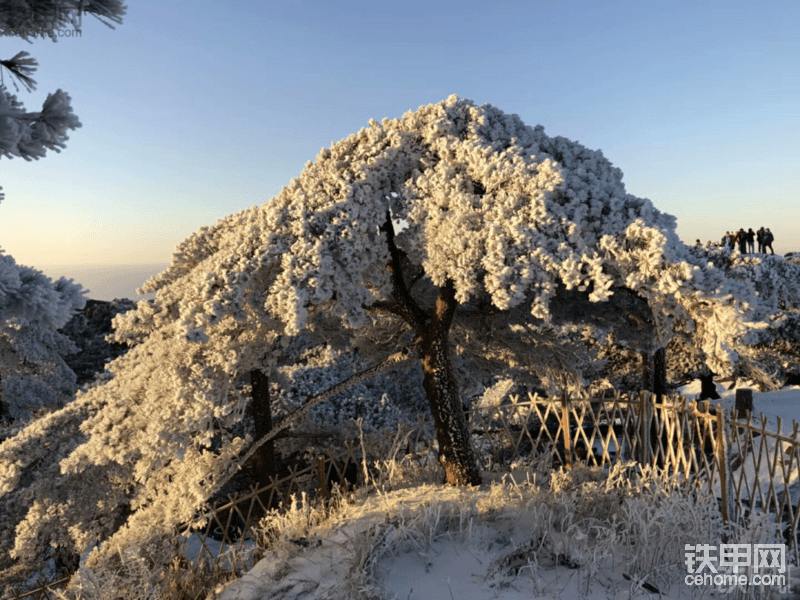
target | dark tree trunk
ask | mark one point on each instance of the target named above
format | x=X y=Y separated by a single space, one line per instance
x=654 y=372
x=654 y=379
x=647 y=371
x=744 y=402
x=660 y=372
x=455 y=450
x=708 y=390
x=263 y=461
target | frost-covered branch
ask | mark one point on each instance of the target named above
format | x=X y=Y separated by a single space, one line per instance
x=30 y=135
x=42 y=18
x=21 y=67
x=27 y=293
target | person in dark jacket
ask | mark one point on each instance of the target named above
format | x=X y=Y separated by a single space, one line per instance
x=741 y=238
x=768 y=239
x=751 y=237
x=760 y=240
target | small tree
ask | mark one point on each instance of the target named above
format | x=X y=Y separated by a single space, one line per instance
x=33 y=373
x=454 y=218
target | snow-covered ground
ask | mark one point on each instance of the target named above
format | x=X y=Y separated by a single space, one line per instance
x=524 y=535
x=783 y=403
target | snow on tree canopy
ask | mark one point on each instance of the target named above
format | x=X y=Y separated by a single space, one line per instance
x=489 y=207
x=488 y=202
x=27 y=293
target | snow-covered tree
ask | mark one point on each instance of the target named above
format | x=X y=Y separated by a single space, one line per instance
x=454 y=231
x=769 y=357
x=33 y=373
x=31 y=134
x=32 y=369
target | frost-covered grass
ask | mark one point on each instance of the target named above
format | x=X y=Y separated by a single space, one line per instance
x=585 y=533
x=525 y=533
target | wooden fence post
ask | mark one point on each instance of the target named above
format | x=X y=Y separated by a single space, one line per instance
x=644 y=427
x=565 y=430
x=723 y=463
x=744 y=402
x=322 y=481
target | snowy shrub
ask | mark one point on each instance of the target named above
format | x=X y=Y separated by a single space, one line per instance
x=768 y=355
x=33 y=373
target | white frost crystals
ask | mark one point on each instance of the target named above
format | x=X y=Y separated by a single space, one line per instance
x=490 y=203
x=494 y=205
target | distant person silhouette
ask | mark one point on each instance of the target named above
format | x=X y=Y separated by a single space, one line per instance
x=741 y=238
x=751 y=237
x=768 y=239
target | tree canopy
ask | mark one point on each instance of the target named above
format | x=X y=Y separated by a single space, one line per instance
x=452 y=212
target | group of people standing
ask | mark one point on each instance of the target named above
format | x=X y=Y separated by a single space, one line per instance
x=746 y=240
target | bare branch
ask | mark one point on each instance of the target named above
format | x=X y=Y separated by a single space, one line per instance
x=407 y=307
x=388 y=363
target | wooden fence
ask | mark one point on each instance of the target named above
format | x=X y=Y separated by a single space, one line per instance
x=734 y=458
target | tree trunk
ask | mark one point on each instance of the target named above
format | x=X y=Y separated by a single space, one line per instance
x=708 y=391
x=654 y=372
x=654 y=379
x=744 y=402
x=647 y=371
x=263 y=461
x=455 y=450
x=660 y=372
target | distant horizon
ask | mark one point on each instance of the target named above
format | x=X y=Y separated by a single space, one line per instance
x=107 y=282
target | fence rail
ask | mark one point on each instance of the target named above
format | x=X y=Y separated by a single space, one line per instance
x=733 y=457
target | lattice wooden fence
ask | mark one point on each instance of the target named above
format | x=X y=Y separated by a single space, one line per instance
x=746 y=466
x=739 y=461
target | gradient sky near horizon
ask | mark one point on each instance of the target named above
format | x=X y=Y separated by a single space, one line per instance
x=191 y=114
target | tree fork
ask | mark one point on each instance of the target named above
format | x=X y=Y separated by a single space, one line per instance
x=405 y=306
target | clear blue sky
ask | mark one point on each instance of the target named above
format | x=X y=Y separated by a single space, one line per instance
x=190 y=114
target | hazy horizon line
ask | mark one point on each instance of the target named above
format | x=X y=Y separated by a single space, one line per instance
x=108 y=282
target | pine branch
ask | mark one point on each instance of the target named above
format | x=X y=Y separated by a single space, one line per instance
x=21 y=67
